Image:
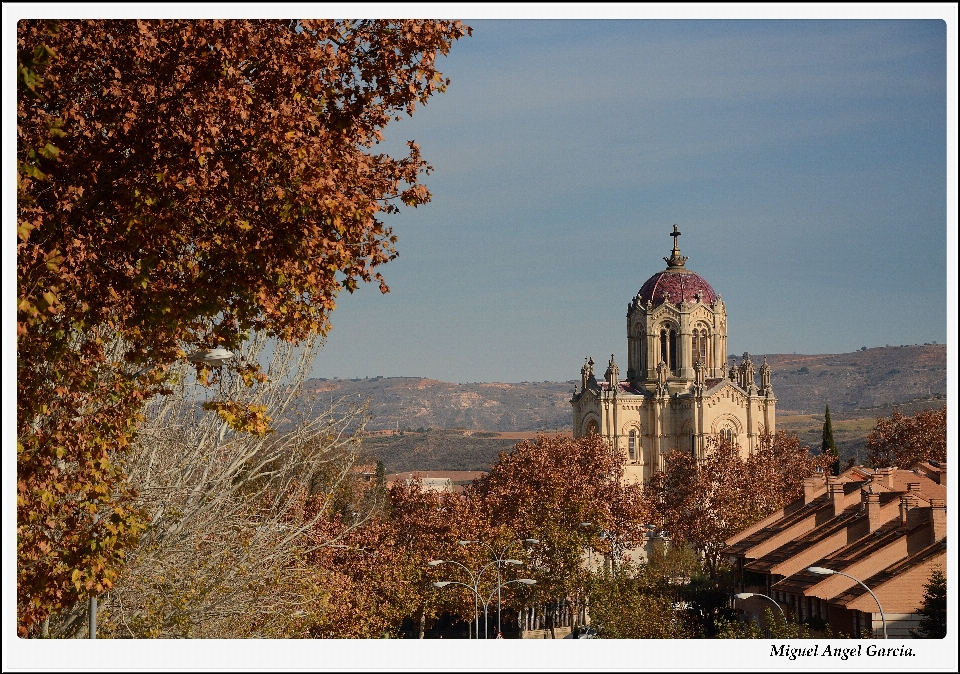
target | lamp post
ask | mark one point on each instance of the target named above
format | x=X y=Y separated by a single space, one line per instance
x=747 y=595
x=477 y=597
x=213 y=357
x=500 y=559
x=473 y=588
x=605 y=535
x=821 y=571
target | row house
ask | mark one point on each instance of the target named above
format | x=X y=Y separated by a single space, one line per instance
x=885 y=527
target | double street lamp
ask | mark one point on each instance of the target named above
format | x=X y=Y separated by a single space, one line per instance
x=499 y=559
x=477 y=597
x=821 y=571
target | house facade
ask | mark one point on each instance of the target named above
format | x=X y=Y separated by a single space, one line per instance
x=886 y=528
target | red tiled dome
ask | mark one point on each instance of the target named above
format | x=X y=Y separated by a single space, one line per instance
x=680 y=284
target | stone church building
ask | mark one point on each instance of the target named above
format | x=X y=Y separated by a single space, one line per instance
x=678 y=390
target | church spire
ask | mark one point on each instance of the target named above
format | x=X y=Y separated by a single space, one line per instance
x=675 y=259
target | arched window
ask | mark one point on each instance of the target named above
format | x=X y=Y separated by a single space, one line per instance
x=728 y=433
x=593 y=428
x=701 y=350
x=633 y=445
x=642 y=346
x=668 y=348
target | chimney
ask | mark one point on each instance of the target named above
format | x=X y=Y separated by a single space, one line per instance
x=836 y=497
x=942 y=475
x=810 y=486
x=913 y=488
x=872 y=503
x=938 y=518
x=885 y=477
x=906 y=503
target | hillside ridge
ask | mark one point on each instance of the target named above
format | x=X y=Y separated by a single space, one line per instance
x=803 y=384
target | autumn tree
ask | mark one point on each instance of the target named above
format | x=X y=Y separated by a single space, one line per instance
x=180 y=184
x=546 y=489
x=904 y=441
x=704 y=503
x=631 y=601
x=232 y=511
x=378 y=574
x=828 y=447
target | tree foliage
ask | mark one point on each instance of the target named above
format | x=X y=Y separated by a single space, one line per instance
x=705 y=503
x=933 y=610
x=231 y=513
x=634 y=602
x=904 y=441
x=546 y=488
x=378 y=574
x=180 y=184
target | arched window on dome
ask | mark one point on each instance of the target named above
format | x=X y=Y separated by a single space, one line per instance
x=633 y=445
x=641 y=341
x=701 y=346
x=668 y=348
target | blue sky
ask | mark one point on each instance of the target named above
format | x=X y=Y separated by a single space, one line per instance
x=804 y=162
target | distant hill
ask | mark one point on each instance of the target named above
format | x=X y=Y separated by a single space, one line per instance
x=876 y=377
x=414 y=402
x=803 y=384
x=439 y=449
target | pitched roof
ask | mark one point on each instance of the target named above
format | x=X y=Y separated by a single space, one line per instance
x=840 y=560
x=895 y=571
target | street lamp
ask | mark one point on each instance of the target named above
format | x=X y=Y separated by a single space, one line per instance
x=213 y=357
x=440 y=584
x=476 y=580
x=604 y=534
x=821 y=571
x=747 y=595
x=499 y=559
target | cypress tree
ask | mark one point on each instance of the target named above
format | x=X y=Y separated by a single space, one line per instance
x=828 y=446
x=380 y=478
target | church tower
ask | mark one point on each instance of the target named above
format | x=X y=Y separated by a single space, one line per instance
x=678 y=390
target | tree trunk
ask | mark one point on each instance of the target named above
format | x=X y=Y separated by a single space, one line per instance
x=423 y=622
x=551 y=620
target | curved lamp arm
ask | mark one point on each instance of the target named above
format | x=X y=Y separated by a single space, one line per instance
x=438 y=562
x=747 y=595
x=440 y=584
x=821 y=571
x=524 y=581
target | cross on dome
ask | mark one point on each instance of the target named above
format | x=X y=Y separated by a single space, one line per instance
x=675 y=259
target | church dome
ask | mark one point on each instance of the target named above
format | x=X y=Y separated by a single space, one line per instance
x=678 y=285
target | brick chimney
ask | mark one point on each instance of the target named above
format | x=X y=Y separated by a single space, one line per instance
x=872 y=505
x=906 y=504
x=913 y=488
x=836 y=497
x=885 y=476
x=810 y=486
x=938 y=518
